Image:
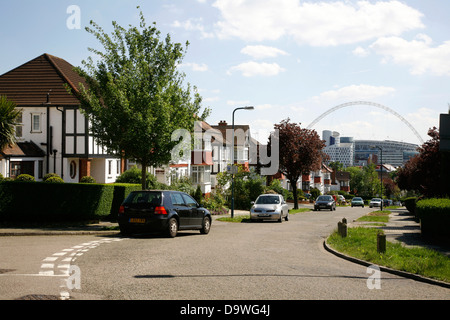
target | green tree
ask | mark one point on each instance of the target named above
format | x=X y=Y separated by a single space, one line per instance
x=135 y=96
x=8 y=120
x=364 y=181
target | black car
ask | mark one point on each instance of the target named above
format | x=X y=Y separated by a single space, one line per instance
x=162 y=210
x=325 y=202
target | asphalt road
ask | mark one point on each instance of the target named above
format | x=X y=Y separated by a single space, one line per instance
x=235 y=261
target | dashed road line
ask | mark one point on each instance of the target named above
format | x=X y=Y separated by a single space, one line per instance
x=60 y=264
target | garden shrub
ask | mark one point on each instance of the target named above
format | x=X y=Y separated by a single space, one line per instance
x=434 y=215
x=54 y=179
x=25 y=178
x=87 y=179
x=50 y=175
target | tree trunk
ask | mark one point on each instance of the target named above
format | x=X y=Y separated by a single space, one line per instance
x=144 y=175
x=294 y=191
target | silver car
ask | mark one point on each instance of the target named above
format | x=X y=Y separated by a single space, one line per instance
x=375 y=202
x=269 y=207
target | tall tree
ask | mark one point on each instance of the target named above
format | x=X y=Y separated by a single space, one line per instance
x=421 y=173
x=136 y=97
x=300 y=152
x=8 y=120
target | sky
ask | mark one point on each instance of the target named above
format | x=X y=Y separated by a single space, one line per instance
x=287 y=58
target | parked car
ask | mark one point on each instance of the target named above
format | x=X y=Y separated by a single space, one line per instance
x=375 y=202
x=269 y=207
x=325 y=202
x=357 y=202
x=165 y=211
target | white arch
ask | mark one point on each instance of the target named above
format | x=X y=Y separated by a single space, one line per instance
x=323 y=115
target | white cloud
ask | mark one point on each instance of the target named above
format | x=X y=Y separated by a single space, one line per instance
x=354 y=93
x=360 y=52
x=418 y=54
x=237 y=103
x=315 y=23
x=251 y=69
x=261 y=52
x=193 y=25
x=195 y=66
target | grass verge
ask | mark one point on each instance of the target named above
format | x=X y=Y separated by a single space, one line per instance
x=376 y=216
x=361 y=243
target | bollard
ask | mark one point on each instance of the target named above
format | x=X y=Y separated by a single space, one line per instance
x=342 y=229
x=381 y=243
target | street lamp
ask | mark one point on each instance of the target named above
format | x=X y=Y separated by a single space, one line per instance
x=232 y=158
x=381 y=173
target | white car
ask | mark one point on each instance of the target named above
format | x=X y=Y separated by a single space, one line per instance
x=269 y=207
x=375 y=202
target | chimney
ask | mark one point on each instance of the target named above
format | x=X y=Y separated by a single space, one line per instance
x=223 y=123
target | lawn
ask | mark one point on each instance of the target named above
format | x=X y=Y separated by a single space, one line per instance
x=361 y=243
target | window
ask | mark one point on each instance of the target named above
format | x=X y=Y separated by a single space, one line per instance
x=189 y=201
x=109 y=166
x=118 y=166
x=73 y=169
x=177 y=199
x=201 y=174
x=35 y=122
x=19 y=120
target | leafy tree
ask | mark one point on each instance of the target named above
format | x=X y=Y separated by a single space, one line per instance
x=135 y=97
x=364 y=181
x=248 y=185
x=421 y=173
x=336 y=166
x=300 y=152
x=8 y=118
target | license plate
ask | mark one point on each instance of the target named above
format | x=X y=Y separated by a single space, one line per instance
x=137 y=220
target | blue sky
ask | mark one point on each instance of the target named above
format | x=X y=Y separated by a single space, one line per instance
x=288 y=58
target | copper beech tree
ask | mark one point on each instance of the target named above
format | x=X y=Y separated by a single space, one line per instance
x=300 y=152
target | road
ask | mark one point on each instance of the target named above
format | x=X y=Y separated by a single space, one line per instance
x=236 y=261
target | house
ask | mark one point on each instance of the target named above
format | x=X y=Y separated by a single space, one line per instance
x=340 y=181
x=53 y=134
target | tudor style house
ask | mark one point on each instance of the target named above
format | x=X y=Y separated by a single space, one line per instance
x=53 y=135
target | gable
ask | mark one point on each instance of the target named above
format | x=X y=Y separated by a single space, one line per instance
x=29 y=84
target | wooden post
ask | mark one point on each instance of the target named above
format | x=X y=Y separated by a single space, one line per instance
x=381 y=243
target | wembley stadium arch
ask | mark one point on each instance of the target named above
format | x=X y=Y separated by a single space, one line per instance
x=367 y=103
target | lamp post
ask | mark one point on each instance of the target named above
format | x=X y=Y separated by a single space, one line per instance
x=232 y=157
x=381 y=174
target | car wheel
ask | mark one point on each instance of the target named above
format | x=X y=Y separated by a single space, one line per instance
x=206 y=225
x=172 y=229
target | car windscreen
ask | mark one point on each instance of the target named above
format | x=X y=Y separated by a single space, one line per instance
x=268 y=200
x=324 y=198
x=144 y=197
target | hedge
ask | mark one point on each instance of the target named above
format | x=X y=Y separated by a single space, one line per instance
x=38 y=201
x=434 y=215
x=410 y=204
x=121 y=191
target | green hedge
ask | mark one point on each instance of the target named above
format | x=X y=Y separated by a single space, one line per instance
x=434 y=215
x=38 y=201
x=121 y=191
x=410 y=204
